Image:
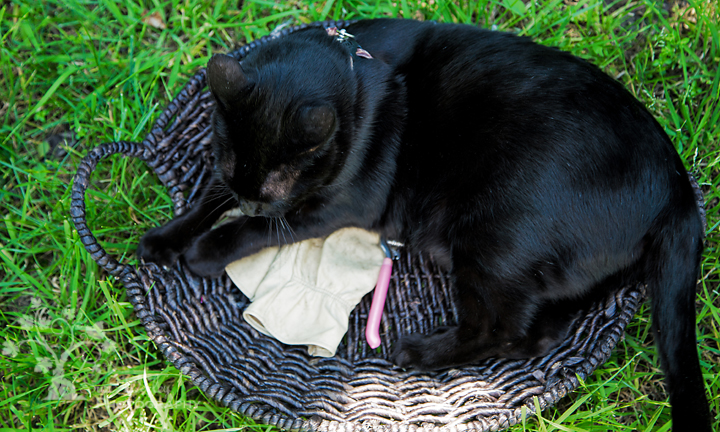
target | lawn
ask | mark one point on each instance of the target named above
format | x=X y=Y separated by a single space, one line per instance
x=77 y=73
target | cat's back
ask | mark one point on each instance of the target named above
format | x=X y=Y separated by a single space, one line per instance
x=481 y=95
x=450 y=58
x=494 y=120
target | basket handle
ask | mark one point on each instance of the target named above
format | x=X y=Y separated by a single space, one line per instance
x=77 y=205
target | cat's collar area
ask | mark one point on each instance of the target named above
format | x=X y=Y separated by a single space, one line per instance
x=347 y=39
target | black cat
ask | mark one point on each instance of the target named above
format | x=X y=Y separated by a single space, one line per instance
x=537 y=179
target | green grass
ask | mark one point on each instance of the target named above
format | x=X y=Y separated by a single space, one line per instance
x=74 y=356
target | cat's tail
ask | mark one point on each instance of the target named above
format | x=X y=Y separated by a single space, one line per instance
x=672 y=267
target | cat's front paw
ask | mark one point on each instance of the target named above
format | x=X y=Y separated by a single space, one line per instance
x=159 y=248
x=202 y=261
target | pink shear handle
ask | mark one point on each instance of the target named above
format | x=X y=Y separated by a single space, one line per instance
x=372 y=330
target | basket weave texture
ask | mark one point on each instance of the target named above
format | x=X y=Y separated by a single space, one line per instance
x=197 y=323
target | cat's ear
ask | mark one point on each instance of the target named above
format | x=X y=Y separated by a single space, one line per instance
x=317 y=122
x=225 y=78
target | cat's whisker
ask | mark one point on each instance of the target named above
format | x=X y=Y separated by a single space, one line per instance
x=215 y=209
x=282 y=228
x=269 y=222
x=241 y=225
x=340 y=183
x=216 y=193
x=217 y=189
x=289 y=228
x=277 y=228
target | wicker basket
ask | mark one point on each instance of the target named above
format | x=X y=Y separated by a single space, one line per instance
x=197 y=322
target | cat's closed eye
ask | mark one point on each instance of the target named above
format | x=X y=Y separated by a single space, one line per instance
x=311 y=150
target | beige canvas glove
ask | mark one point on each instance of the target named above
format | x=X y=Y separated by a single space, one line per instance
x=303 y=293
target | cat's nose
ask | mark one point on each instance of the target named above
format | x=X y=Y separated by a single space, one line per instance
x=250 y=208
x=255 y=208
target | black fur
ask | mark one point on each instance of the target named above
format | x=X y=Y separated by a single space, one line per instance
x=537 y=179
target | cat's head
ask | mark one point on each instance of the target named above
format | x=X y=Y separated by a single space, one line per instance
x=279 y=123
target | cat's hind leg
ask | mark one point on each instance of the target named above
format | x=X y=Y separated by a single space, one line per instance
x=496 y=319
